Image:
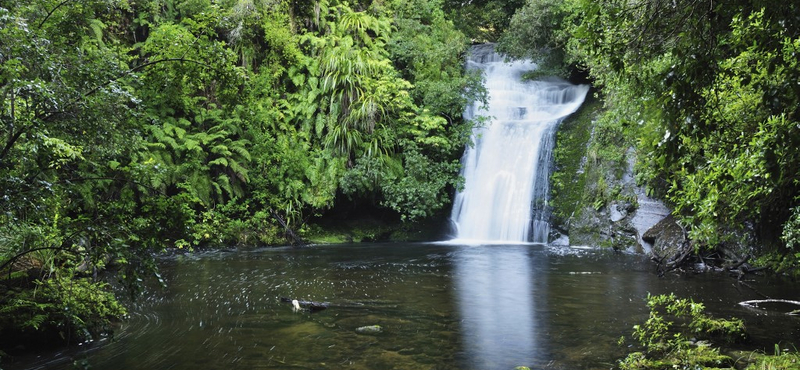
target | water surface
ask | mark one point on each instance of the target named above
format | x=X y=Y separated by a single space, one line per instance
x=440 y=307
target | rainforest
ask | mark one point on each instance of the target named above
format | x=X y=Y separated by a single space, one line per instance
x=137 y=129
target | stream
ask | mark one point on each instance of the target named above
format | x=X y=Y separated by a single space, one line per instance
x=440 y=306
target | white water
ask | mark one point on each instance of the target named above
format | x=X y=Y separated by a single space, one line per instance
x=507 y=171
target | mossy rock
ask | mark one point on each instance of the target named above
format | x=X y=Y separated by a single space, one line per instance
x=666 y=236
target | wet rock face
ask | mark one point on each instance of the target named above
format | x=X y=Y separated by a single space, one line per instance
x=649 y=213
x=607 y=227
x=617 y=213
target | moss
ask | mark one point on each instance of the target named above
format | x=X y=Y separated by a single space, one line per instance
x=354 y=231
x=593 y=178
x=569 y=178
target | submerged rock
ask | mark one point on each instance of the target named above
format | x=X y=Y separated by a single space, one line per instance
x=370 y=329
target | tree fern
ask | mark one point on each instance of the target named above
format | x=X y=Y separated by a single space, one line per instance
x=97 y=27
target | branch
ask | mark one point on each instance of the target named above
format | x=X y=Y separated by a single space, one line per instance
x=289 y=232
x=51 y=13
x=12 y=259
x=10 y=143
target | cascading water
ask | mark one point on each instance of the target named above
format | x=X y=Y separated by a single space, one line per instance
x=507 y=171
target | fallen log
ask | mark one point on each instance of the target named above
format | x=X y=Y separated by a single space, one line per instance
x=309 y=305
x=755 y=302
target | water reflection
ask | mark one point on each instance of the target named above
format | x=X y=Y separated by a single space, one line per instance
x=497 y=300
x=441 y=306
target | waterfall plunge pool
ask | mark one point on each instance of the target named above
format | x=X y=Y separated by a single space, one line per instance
x=441 y=306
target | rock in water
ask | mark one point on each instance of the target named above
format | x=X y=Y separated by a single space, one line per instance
x=371 y=329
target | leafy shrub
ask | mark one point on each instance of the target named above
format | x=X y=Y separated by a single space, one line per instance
x=670 y=336
x=61 y=309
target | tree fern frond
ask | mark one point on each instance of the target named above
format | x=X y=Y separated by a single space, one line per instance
x=238 y=170
x=221 y=149
x=191 y=145
x=97 y=28
x=241 y=150
x=223 y=185
x=221 y=161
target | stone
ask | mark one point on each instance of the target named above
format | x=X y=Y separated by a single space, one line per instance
x=666 y=236
x=369 y=329
x=658 y=229
x=617 y=213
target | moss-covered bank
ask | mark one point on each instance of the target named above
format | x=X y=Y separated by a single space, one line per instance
x=371 y=224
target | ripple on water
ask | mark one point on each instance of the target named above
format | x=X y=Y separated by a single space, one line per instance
x=440 y=306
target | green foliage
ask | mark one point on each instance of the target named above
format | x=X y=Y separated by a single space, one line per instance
x=422 y=189
x=482 y=20
x=536 y=31
x=791 y=236
x=713 y=95
x=73 y=309
x=666 y=336
x=133 y=127
x=428 y=51
x=364 y=89
x=779 y=361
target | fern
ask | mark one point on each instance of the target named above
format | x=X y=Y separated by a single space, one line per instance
x=223 y=185
x=219 y=162
x=221 y=149
x=191 y=145
x=97 y=28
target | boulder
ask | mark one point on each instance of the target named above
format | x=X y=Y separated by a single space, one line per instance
x=666 y=236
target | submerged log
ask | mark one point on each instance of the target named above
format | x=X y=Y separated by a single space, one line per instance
x=755 y=302
x=309 y=305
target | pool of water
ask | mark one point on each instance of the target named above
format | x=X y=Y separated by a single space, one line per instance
x=439 y=306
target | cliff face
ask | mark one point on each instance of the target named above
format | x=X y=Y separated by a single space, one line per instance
x=596 y=201
x=595 y=198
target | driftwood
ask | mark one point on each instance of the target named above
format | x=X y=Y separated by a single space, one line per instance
x=309 y=305
x=754 y=304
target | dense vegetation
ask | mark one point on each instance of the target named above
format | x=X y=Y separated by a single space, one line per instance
x=707 y=93
x=133 y=127
x=679 y=334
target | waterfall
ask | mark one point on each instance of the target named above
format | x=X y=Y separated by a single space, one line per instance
x=507 y=170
